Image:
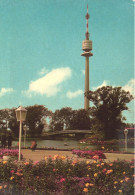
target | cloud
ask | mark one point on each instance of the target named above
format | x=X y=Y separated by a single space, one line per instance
x=130 y=86
x=4 y=91
x=49 y=84
x=74 y=94
x=105 y=83
x=83 y=72
x=43 y=71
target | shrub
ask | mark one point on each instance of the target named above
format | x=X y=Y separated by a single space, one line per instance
x=9 y=152
x=66 y=177
x=89 y=154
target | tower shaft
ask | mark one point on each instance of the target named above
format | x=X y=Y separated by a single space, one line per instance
x=86 y=101
x=87 y=47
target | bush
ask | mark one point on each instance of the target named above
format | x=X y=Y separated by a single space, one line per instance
x=66 y=177
x=9 y=152
x=89 y=154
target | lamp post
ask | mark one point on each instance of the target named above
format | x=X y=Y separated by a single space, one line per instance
x=125 y=132
x=25 y=129
x=5 y=126
x=20 y=115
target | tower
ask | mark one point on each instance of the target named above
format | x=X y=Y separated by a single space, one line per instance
x=87 y=47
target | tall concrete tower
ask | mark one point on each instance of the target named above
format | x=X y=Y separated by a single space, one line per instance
x=87 y=47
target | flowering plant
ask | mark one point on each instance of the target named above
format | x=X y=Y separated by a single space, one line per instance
x=96 y=141
x=89 y=154
x=9 y=152
x=66 y=177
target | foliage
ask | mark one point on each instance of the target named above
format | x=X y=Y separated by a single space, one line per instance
x=98 y=136
x=36 y=119
x=61 y=119
x=81 y=120
x=89 y=154
x=13 y=124
x=93 y=140
x=62 y=176
x=66 y=118
x=109 y=102
x=9 y=152
x=4 y=115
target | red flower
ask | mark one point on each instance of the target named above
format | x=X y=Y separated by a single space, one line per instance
x=12 y=171
x=104 y=170
x=62 y=180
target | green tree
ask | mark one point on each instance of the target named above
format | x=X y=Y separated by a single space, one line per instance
x=13 y=124
x=109 y=102
x=4 y=117
x=80 y=120
x=61 y=119
x=36 y=119
x=66 y=118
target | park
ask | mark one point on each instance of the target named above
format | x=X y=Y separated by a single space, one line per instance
x=67 y=120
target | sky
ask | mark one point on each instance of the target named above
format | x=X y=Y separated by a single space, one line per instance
x=41 y=47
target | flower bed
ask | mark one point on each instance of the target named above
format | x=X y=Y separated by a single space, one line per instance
x=7 y=152
x=89 y=154
x=62 y=176
x=118 y=142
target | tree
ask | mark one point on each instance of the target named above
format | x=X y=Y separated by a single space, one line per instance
x=36 y=118
x=66 y=118
x=109 y=102
x=4 y=117
x=13 y=124
x=80 y=120
x=61 y=119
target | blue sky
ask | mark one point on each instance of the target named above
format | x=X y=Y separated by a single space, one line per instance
x=41 y=46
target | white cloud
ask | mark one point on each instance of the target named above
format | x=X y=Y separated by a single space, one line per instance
x=74 y=94
x=4 y=91
x=43 y=71
x=49 y=84
x=83 y=72
x=105 y=83
x=130 y=86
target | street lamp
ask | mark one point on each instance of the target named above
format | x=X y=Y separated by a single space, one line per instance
x=125 y=132
x=25 y=129
x=20 y=115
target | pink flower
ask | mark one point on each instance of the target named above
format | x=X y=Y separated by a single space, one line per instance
x=104 y=170
x=111 y=165
x=62 y=180
x=126 y=178
x=19 y=174
x=36 y=162
x=12 y=171
x=96 y=157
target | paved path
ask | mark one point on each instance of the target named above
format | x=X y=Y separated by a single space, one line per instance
x=38 y=155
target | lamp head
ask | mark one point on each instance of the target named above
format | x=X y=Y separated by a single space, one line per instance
x=21 y=113
x=125 y=131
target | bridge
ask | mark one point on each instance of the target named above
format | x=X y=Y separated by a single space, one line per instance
x=78 y=133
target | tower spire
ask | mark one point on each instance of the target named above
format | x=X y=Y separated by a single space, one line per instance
x=87 y=18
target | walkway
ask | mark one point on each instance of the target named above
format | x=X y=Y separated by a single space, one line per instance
x=38 y=155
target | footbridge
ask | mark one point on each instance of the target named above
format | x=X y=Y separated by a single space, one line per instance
x=77 y=133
